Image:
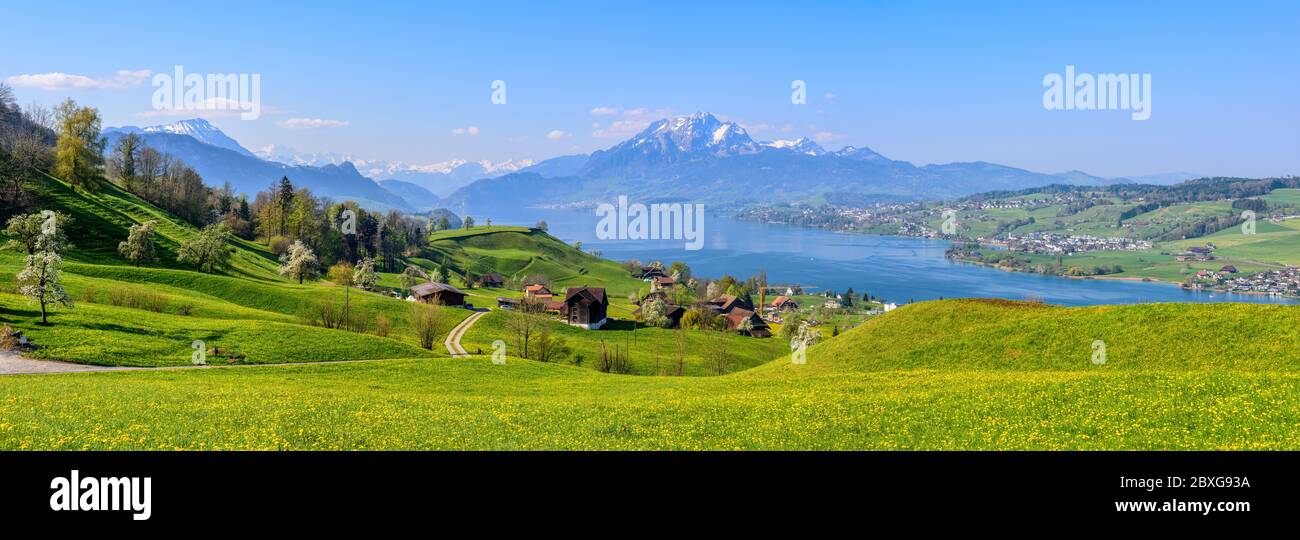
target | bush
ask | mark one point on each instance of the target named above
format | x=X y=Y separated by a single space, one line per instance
x=279 y=245
x=692 y=320
x=7 y=340
x=137 y=298
x=90 y=294
x=324 y=313
x=185 y=309
x=382 y=326
x=425 y=323
x=614 y=360
x=790 y=326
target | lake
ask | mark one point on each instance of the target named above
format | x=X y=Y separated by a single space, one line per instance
x=899 y=269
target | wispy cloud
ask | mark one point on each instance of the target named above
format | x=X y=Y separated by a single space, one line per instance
x=629 y=123
x=213 y=107
x=472 y=131
x=604 y=111
x=823 y=137
x=310 y=123
x=556 y=134
x=67 y=81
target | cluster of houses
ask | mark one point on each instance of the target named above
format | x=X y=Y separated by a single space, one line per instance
x=588 y=307
x=1283 y=282
x=583 y=307
x=740 y=316
x=1062 y=244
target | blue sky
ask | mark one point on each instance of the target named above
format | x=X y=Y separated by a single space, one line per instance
x=928 y=82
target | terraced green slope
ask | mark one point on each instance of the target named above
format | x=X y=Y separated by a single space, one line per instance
x=151 y=315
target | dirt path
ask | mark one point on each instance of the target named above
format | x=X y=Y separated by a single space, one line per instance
x=12 y=364
x=453 y=338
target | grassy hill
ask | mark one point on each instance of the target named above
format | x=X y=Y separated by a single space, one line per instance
x=521 y=252
x=150 y=316
x=957 y=374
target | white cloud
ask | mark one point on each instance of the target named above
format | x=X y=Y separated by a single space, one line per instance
x=310 y=123
x=633 y=121
x=824 y=137
x=472 y=131
x=556 y=135
x=829 y=95
x=212 y=107
x=67 y=81
x=604 y=111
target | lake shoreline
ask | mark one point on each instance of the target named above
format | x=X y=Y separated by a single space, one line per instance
x=896 y=268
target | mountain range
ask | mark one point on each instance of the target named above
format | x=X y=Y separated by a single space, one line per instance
x=441 y=178
x=700 y=158
x=219 y=159
x=695 y=158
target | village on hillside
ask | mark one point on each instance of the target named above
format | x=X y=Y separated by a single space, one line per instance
x=669 y=300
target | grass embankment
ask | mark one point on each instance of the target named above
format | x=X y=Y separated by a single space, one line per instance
x=957 y=374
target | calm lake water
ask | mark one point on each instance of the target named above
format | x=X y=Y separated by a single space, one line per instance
x=896 y=268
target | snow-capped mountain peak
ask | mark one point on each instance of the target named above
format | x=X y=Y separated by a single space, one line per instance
x=202 y=131
x=802 y=145
x=689 y=137
x=283 y=154
x=859 y=153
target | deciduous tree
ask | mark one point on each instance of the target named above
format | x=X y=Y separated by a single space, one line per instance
x=207 y=250
x=299 y=262
x=364 y=275
x=79 y=152
x=139 y=245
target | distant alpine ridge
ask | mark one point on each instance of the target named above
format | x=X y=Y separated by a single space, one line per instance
x=220 y=159
x=698 y=157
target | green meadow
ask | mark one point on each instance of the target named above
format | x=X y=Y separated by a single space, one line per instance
x=956 y=374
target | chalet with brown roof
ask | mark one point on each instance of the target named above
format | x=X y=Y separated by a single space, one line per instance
x=585 y=307
x=662 y=283
x=437 y=293
x=538 y=292
x=652 y=272
x=492 y=280
x=726 y=303
x=783 y=303
x=738 y=316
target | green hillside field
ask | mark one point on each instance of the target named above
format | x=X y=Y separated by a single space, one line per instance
x=150 y=316
x=955 y=374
